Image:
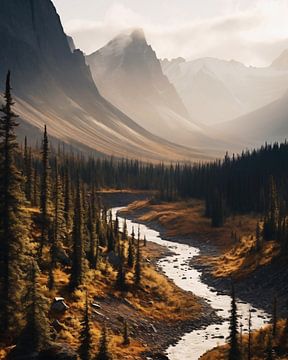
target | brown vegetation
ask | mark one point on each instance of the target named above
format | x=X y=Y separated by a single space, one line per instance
x=186 y=218
x=148 y=310
x=235 y=241
x=259 y=345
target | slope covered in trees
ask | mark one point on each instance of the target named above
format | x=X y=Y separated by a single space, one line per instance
x=59 y=242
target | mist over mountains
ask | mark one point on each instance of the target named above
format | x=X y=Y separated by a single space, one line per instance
x=229 y=87
x=122 y=100
x=54 y=86
x=128 y=73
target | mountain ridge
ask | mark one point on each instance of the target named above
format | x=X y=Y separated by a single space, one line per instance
x=129 y=74
x=231 y=88
x=54 y=86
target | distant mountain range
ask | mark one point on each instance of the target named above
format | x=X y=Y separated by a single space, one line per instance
x=216 y=90
x=53 y=86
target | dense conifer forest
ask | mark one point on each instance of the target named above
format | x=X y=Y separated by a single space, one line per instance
x=69 y=226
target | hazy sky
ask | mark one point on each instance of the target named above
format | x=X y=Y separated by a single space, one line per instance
x=251 y=31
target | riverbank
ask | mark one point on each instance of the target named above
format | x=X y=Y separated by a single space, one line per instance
x=261 y=343
x=189 y=278
x=184 y=222
x=157 y=312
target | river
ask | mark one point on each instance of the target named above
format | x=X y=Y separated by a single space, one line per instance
x=178 y=268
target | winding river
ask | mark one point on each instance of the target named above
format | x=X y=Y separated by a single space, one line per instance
x=177 y=267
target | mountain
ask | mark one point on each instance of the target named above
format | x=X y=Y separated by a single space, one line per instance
x=216 y=90
x=281 y=63
x=129 y=74
x=268 y=124
x=54 y=86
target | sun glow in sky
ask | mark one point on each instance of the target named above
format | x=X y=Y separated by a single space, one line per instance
x=251 y=31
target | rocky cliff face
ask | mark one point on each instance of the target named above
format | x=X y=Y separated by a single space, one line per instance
x=36 y=50
x=54 y=86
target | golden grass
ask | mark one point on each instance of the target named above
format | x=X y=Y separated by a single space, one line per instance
x=158 y=299
x=259 y=341
x=243 y=259
x=186 y=218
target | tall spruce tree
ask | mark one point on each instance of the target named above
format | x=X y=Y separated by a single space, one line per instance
x=272 y=212
x=58 y=225
x=44 y=193
x=234 y=352
x=77 y=270
x=269 y=348
x=93 y=241
x=137 y=274
x=121 y=275
x=249 y=357
x=35 y=195
x=85 y=334
x=124 y=231
x=103 y=353
x=67 y=199
x=274 y=317
x=28 y=171
x=37 y=334
x=126 y=339
x=14 y=223
x=130 y=259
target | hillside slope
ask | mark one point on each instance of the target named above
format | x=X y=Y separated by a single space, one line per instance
x=266 y=124
x=54 y=86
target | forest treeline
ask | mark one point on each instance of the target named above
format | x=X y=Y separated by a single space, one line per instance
x=254 y=181
x=51 y=218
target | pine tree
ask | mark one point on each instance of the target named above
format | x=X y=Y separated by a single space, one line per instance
x=272 y=212
x=77 y=270
x=249 y=336
x=28 y=171
x=121 y=277
x=116 y=227
x=124 y=231
x=58 y=225
x=36 y=335
x=145 y=241
x=137 y=275
x=14 y=223
x=234 y=353
x=44 y=193
x=133 y=236
x=103 y=353
x=67 y=200
x=269 y=349
x=126 y=339
x=85 y=335
x=93 y=241
x=35 y=198
x=111 y=239
x=130 y=260
x=274 y=318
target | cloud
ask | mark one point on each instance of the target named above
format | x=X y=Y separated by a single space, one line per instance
x=242 y=34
